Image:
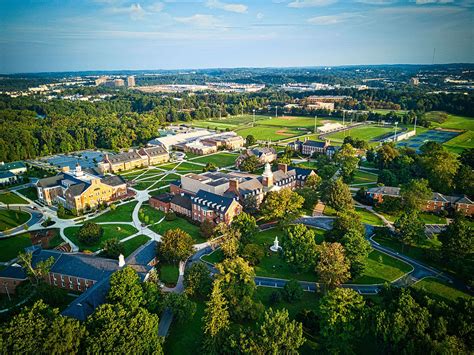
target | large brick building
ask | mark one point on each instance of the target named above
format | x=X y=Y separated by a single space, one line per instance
x=133 y=159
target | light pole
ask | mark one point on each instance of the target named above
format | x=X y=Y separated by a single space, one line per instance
x=414 y=127
x=253 y=124
x=276 y=111
x=395 y=133
x=315 y=124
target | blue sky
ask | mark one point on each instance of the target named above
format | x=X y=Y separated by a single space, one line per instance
x=61 y=35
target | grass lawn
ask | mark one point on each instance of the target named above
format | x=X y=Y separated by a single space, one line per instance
x=430 y=218
x=110 y=231
x=189 y=166
x=439 y=289
x=295 y=121
x=213 y=125
x=363 y=177
x=219 y=159
x=384 y=111
x=10 y=247
x=215 y=257
x=181 y=223
x=452 y=121
x=381 y=268
x=367 y=133
x=270 y=133
x=10 y=198
x=133 y=244
x=186 y=337
x=122 y=213
x=29 y=192
x=143 y=185
x=461 y=142
x=169 y=274
x=307 y=164
x=12 y=218
x=153 y=214
x=368 y=217
x=329 y=211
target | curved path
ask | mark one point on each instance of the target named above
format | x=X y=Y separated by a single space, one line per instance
x=36 y=217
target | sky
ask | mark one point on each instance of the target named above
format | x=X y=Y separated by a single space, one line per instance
x=76 y=35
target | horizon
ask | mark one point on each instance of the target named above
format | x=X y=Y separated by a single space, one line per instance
x=118 y=35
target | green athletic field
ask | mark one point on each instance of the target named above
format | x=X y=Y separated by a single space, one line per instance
x=365 y=132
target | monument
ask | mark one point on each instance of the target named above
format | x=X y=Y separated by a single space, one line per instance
x=275 y=247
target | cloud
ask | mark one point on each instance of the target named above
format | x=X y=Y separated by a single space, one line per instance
x=424 y=2
x=310 y=3
x=200 y=20
x=260 y=16
x=135 y=11
x=216 y=4
x=331 y=19
x=156 y=7
x=377 y=2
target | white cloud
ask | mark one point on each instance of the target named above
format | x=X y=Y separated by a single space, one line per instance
x=156 y=7
x=424 y=2
x=310 y=3
x=260 y=16
x=216 y=4
x=376 y=2
x=200 y=20
x=135 y=11
x=330 y=19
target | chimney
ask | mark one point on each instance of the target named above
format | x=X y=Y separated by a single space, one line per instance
x=283 y=167
x=234 y=185
x=121 y=260
x=65 y=169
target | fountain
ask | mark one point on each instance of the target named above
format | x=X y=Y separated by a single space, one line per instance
x=275 y=247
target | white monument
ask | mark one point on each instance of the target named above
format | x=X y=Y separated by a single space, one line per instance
x=275 y=247
x=121 y=260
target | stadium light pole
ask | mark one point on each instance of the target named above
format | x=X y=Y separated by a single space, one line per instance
x=414 y=127
x=276 y=111
x=253 y=124
x=395 y=132
x=315 y=123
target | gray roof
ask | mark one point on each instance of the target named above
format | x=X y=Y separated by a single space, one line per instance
x=385 y=190
x=316 y=144
x=113 y=180
x=78 y=189
x=143 y=255
x=212 y=201
x=6 y=174
x=182 y=201
x=154 y=151
x=13 y=271
x=12 y=165
x=51 y=181
x=123 y=157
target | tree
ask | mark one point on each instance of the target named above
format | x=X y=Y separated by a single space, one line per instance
x=387 y=178
x=345 y=222
x=236 y=278
x=250 y=164
x=457 y=241
x=467 y=157
x=207 y=228
x=292 y=291
x=357 y=250
x=216 y=320
x=246 y=224
x=181 y=306
x=61 y=212
x=410 y=227
x=279 y=335
x=464 y=180
x=299 y=247
x=370 y=155
x=250 y=140
x=386 y=154
x=116 y=329
x=38 y=272
x=284 y=206
x=415 y=194
x=41 y=329
x=341 y=314
x=250 y=204
x=440 y=167
x=332 y=266
x=347 y=162
x=197 y=280
x=313 y=182
x=253 y=253
x=176 y=245
x=112 y=248
x=126 y=288
x=230 y=247
x=337 y=195
x=209 y=167
x=90 y=233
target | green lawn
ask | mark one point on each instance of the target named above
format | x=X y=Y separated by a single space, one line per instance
x=133 y=244
x=10 y=247
x=363 y=177
x=364 y=132
x=169 y=274
x=122 y=213
x=185 y=338
x=384 y=111
x=219 y=159
x=12 y=218
x=439 y=289
x=213 y=125
x=296 y=122
x=270 y=133
x=29 y=192
x=181 y=223
x=10 y=198
x=381 y=268
x=368 y=217
x=427 y=218
x=461 y=142
x=215 y=257
x=452 y=121
x=308 y=165
x=110 y=231
x=153 y=214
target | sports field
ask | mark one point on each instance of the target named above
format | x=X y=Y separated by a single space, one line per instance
x=367 y=133
x=431 y=135
x=384 y=111
x=450 y=121
x=461 y=142
x=295 y=121
x=269 y=133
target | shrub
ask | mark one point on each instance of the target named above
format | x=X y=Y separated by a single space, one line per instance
x=90 y=233
x=170 y=216
x=275 y=297
x=112 y=248
x=292 y=291
x=253 y=253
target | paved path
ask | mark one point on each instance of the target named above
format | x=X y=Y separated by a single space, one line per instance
x=36 y=217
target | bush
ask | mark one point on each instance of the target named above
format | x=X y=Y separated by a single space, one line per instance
x=170 y=216
x=253 y=253
x=292 y=291
x=207 y=228
x=275 y=297
x=112 y=248
x=90 y=233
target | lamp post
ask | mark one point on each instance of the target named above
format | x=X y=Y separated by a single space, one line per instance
x=253 y=124
x=395 y=133
x=276 y=111
x=315 y=124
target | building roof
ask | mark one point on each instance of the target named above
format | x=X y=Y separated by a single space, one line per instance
x=183 y=201
x=13 y=271
x=385 y=190
x=302 y=173
x=12 y=165
x=122 y=157
x=78 y=189
x=316 y=144
x=50 y=181
x=212 y=201
x=259 y=151
x=6 y=174
x=154 y=151
x=166 y=197
x=143 y=255
x=113 y=180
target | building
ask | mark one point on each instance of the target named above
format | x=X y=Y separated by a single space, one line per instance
x=79 y=272
x=16 y=167
x=100 y=81
x=318 y=99
x=228 y=140
x=219 y=196
x=330 y=127
x=154 y=155
x=77 y=190
x=172 y=140
x=7 y=178
x=130 y=81
x=133 y=159
x=414 y=81
x=319 y=105
x=309 y=147
x=437 y=203
x=118 y=82
x=263 y=154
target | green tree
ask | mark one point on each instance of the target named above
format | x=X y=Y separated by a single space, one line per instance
x=250 y=140
x=116 y=329
x=207 y=228
x=346 y=221
x=246 y=224
x=347 y=162
x=332 y=266
x=410 y=228
x=230 y=247
x=209 y=167
x=357 y=250
x=176 y=245
x=250 y=164
x=457 y=243
x=385 y=155
x=284 y=206
x=126 y=288
x=337 y=195
x=90 y=233
x=181 y=306
x=299 y=247
x=197 y=280
x=313 y=182
x=341 y=314
x=440 y=168
x=36 y=273
x=41 y=329
x=112 y=248
x=253 y=253
x=292 y=291
x=415 y=194
x=464 y=180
